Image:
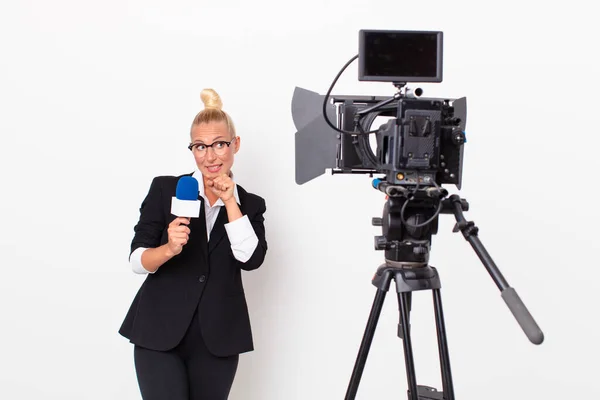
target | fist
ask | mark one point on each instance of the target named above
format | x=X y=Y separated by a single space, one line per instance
x=179 y=234
x=222 y=186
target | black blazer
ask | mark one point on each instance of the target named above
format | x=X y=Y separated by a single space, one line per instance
x=204 y=276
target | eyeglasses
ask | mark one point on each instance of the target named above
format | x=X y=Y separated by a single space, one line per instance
x=220 y=147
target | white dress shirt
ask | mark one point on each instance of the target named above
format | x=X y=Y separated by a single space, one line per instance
x=241 y=234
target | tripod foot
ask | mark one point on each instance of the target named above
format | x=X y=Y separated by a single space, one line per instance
x=428 y=393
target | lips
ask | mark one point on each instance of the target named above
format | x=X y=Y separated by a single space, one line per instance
x=213 y=168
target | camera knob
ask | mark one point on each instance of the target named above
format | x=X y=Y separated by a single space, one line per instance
x=419 y=250
x=377 y=221
x=458 y=137
x=380 y=242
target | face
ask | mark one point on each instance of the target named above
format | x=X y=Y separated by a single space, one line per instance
x=210 y=164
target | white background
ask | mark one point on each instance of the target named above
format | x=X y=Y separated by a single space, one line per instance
x=96 y=98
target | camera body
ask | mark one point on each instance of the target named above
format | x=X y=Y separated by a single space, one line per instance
x=421 y=142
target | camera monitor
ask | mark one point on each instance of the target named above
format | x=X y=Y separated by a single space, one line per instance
x=400 y=56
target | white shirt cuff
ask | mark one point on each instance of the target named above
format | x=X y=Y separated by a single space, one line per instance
x=242 y=237
x=135 y=259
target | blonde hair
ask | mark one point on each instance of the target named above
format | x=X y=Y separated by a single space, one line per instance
x=212 y=111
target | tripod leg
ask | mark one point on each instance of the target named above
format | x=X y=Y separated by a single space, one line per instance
x=408 y=302
x=448 y=387
x=365 y=345
x=403 y=301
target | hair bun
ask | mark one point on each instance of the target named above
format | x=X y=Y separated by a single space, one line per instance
x=211 y=99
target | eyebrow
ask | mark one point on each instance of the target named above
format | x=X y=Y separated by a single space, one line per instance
x=217 y=139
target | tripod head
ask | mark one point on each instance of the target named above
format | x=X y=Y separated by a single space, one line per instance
x=410 y=219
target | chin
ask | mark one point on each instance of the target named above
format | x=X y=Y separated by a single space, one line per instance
x=210 y=174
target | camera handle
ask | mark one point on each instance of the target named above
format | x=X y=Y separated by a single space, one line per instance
x=510 y=296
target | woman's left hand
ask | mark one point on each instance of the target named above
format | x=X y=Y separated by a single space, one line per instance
x=222 y=186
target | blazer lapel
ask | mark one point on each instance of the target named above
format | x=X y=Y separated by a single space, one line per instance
x=198 y=229
x=218 y=230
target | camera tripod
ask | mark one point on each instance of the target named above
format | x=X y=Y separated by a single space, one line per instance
x=409 y=220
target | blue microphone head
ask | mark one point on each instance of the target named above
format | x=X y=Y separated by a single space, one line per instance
x=187 y=188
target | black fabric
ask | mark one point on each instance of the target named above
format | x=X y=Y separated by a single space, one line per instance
x=188 y=372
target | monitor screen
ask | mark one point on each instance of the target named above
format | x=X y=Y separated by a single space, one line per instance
x=400 y=56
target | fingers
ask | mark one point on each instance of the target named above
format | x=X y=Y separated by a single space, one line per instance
x=179 y=240
x=178 y=230
x=178 y=221
x=178 y=233
x=222 y=186
x=222 y=183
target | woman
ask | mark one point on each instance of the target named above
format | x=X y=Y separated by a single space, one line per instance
x=189 y=320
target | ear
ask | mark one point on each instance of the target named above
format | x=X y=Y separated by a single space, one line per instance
x=236 y=145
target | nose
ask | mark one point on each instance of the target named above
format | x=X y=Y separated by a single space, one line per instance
x=210 y=154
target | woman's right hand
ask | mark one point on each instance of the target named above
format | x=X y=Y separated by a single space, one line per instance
x=179 y=235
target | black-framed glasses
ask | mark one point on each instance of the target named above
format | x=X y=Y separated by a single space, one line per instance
x=220 y=147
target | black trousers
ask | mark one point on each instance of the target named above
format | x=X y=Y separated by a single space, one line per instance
x=188 y=372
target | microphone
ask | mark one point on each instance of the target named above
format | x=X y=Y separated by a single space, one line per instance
x=185 y=203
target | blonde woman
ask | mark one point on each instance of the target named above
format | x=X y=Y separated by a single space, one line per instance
x=189 y=320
